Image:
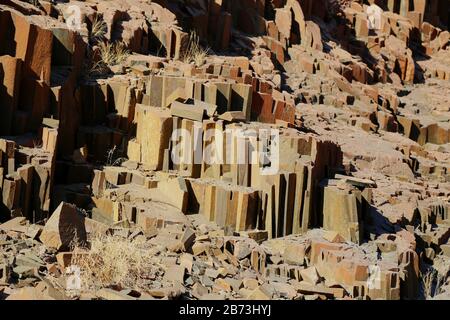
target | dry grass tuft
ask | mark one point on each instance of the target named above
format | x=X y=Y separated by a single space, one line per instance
x=113 y=53
x=96 y=68
x=427 y=283
x=112 y=160
x=98 y=31
x=432 y=281
x=114 y=260
x=195 y=52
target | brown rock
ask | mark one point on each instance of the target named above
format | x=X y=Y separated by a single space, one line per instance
x=64 y=228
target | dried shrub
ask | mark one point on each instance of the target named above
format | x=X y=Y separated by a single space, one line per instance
x=113 y=261
x=432 y=282
x=110 y=54
x=194 y=52
x=98 y=30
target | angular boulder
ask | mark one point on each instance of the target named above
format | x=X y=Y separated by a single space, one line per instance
x=64 y=228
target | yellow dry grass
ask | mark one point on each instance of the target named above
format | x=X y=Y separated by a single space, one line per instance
x=432 y=281
x=113 y=53
x=113 y=260
x=194 y=51
x=98 y=30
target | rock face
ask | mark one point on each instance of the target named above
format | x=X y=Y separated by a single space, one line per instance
x=210 y=149
x=65 y=228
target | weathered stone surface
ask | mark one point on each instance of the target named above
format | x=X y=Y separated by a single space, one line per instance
x=152 y=151
x=64 y=228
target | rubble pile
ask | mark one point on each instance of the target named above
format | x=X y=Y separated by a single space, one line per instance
x=206 y=149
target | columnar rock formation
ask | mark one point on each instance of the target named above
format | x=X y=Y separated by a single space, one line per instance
x=258 y=149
